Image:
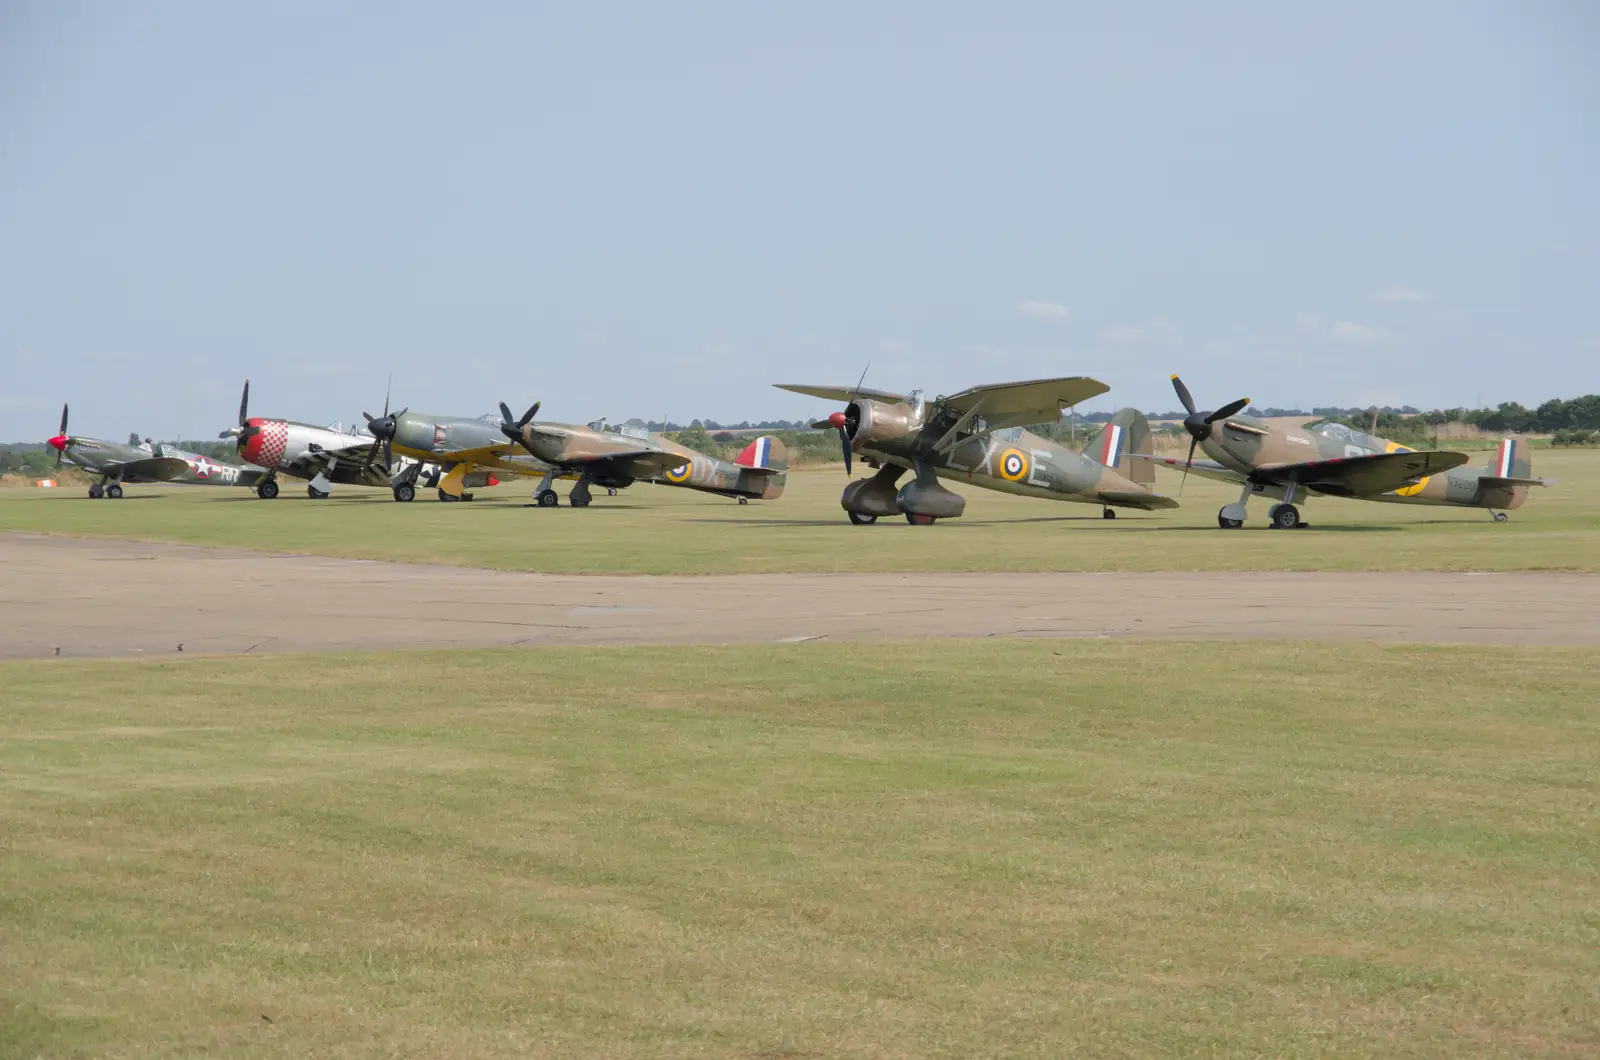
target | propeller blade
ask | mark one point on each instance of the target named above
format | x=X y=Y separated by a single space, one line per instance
x=244 y=404
x=59 y=454
x=63 y=418
x=1192 y=443
x=370 y=417
x=1183 y=394
x=527 y=417
x=386 y=387
x=388 y=457
x=505 y=414
x=844 y=441
x=1227 y=410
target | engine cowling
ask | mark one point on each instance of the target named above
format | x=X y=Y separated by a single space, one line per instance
x=867 y=421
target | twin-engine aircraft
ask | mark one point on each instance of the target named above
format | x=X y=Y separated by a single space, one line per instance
x=617 y=457
x=322 y=456
x=1331 y=459
x=978 y=437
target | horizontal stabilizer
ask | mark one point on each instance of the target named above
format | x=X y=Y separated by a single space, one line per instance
x=1496 y=480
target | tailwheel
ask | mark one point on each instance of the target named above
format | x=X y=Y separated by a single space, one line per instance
x=1501 y=517
x=267 y=490
x=920 y=520
x=547 y=498
x=1108 y=513
x=405 y=492
x=114 y=491
x=1284 y=517
x=862 y=520
x=1226 y=523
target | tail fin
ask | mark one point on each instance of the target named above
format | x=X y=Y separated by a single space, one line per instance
x=765 y=453
x=766 y=466
x=1511 y=460
x=1128 y=432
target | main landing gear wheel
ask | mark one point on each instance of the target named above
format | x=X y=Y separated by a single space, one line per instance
x=744 y=500
x=114 y=491
x=577 y=501
x=1501 y=517
x=1108 y=513
x=547 y=498
x=405 y=492
x=96 y=491
x=1226 y=523
x=316 y=494
x=267 y=490
x=447 y=497
x=920 y=520
x=862 y=520
x=1284 y=517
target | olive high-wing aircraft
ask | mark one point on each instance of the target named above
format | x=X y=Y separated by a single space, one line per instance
x=616 y=457
x=978 y=436
x=115 y=462
x=321 y=455
x=1267 y=459
x=468 y=450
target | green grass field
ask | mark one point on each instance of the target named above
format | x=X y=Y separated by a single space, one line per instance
x=663 y=530
x=957 y=850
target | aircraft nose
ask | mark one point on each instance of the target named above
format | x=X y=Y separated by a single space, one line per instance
x=837 y=419
x=59 y=443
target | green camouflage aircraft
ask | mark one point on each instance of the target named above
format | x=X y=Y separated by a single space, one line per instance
x=616 y=457
x=115 y=462
x=468 y=450
x=1331 y=459
x=206 y=471
x=978 y=437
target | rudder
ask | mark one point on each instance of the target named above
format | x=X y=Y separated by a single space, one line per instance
x=766 y=464
x=1511 y=460
x=1127 y=432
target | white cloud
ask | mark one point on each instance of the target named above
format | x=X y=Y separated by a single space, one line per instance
x=1400 y=296
x=1158 y=333
x=1357 y=334
x=1044 y=310
x=894 y=346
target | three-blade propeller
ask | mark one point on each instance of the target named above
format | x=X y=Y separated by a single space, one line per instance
x=838 y=419
x=1198 y=424
x=244 y=432
x=62 y=439
x=512 y=429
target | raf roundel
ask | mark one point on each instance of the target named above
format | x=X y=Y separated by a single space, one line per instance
x=1013 y=465
x=680 y=473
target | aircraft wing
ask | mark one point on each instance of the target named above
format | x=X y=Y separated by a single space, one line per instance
x=1137 y=499
x=842 y=393
x=1203 y=468
x=1366 y=475
x=502 y=457
x=151 y=468
x=635 y=463
x=311 y=461
x=1032 y=401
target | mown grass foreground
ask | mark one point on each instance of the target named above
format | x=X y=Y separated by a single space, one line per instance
x=664 y=530
x=953 y=849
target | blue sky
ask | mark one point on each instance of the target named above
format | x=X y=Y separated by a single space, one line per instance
x=634 y=209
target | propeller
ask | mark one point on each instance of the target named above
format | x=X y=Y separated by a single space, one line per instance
x=244 y=432
x=60 y=442
x=512 y=429
x=838 y=419
x=1198 y=424
x=383 y=431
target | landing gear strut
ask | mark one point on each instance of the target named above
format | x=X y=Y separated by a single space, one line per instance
x=1285 y=516
x=578 y=496
x=96 y=491
x=543 y=495
x=316 y=494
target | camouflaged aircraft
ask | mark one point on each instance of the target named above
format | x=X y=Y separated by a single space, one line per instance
x=978 y=436
x=205 y=471
x=1327 y=458
x=468 y=450
x=115 y=462
x=616 y=457
x=321 y=455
